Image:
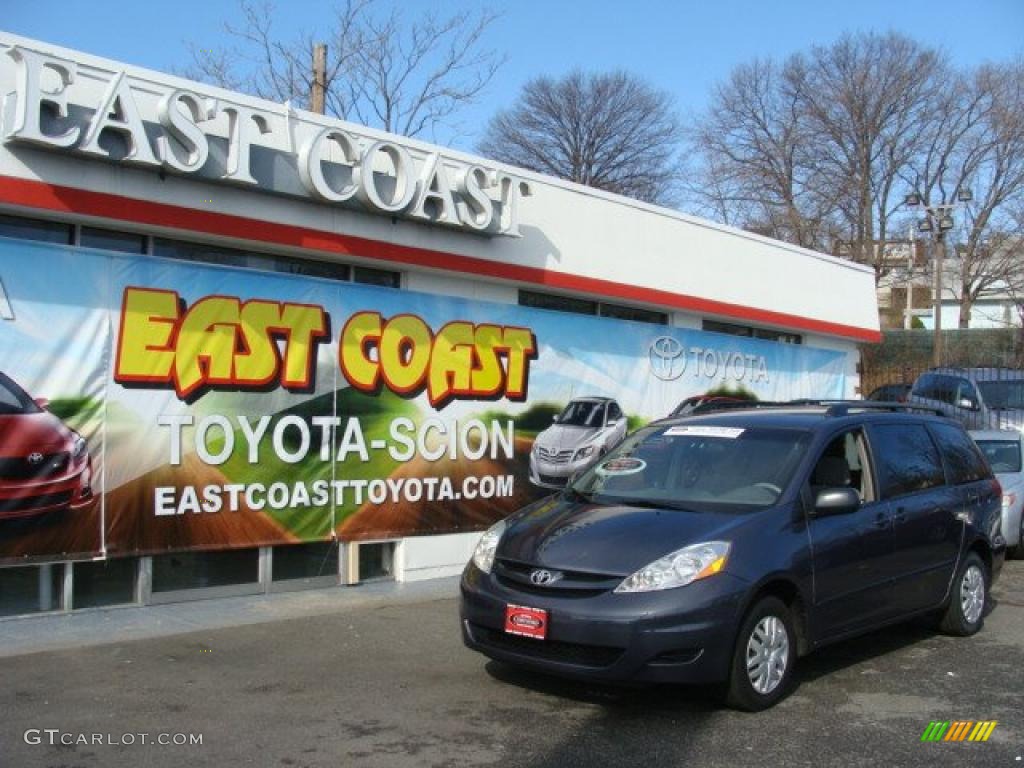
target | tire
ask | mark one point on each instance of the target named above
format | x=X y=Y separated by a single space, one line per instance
x=965 y=613
x=755 y=687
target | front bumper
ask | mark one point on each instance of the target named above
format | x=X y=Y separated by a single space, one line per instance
x=555 y=475
x=72 y=491
x=683 y=635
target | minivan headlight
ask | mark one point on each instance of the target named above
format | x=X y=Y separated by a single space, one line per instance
x=483 y=555
x=686 y=565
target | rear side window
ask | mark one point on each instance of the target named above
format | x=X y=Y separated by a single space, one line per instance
x=963 y=459
x=907 y=459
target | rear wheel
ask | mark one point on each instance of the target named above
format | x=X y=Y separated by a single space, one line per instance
x=966 y=610
x=763 y=660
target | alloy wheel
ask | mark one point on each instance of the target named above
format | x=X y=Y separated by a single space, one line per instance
x=972 y=594
x=767 y=654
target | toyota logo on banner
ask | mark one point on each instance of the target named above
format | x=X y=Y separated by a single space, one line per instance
x=667 y=357
x=543 y=578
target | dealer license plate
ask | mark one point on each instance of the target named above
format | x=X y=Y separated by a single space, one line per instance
x=526 y=622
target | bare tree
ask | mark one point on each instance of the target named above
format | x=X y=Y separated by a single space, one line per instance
x=384 y=70
x=757 y=173
x=610 y=131
x=977 y=144
x=813 y=150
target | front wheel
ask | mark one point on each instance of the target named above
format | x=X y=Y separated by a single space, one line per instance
x=764 y=657
x=966 y=610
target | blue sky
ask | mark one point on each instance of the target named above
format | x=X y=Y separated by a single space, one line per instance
x=683 y=47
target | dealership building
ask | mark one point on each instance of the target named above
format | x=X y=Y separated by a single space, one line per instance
x=248 y=348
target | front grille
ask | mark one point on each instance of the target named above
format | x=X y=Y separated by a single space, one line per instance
x=46 y=465
x=552 y=479
x=27 y=503
x=516 y=575
x=576 y=654
x=554 y=457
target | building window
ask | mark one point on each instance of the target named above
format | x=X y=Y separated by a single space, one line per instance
x=635 y=314
x=305 y=561
x=200 y=570
x=30 y=588
x=588 y=307
x=111 y=240
x=208 y=254
x=104 y=582
x=382 y=277
x=733 y=329
x=35 y=229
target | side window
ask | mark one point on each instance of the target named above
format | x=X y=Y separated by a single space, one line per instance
x=966 y=391
x=844 y=464
x=614 y=412
x=907 y=459
x=946 y=388
x=964 y=462
x=925 y=386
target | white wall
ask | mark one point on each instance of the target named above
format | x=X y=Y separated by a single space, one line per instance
x=433 y=557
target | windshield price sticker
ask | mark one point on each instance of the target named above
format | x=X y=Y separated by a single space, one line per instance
x=730 y=433
x=626 y=465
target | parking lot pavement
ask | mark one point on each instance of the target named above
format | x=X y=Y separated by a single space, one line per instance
x=390 y=685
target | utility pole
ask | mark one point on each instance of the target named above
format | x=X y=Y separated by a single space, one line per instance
x=318 y=93
x=908 y=316
x=938 y=219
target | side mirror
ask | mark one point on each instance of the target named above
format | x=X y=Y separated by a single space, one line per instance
x=42 y=402
x=968 y=403
x=554 y=418
x=613 y=422
x=836 y=501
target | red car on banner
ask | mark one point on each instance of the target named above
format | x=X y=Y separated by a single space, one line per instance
x=44 y=465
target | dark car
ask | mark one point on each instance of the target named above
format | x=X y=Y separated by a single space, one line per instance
x=723 y=547
x=979 y=398
x=890 y=393
x=44 y=465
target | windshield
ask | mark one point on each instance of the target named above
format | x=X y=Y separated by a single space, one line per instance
x=1002 y=455
x=582 y=413
x=13 y=399
x=1003 y=394
x=697 y=467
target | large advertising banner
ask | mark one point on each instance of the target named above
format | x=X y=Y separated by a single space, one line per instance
x=151 y=405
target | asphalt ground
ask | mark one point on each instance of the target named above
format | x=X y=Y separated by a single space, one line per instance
x=385 y=681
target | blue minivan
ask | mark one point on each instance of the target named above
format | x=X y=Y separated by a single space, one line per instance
x=721 y=548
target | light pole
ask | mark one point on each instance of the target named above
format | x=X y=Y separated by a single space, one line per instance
x=938 y=219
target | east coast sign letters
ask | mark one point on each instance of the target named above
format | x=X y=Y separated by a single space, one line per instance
x=334 y=163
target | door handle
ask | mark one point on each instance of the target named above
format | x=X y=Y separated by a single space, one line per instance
x=881 y=520
x=899 y=515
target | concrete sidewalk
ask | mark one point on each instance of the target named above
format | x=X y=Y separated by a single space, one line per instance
x=82 y=629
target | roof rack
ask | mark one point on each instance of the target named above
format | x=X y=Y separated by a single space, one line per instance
x=843 y=407
x=834 y=408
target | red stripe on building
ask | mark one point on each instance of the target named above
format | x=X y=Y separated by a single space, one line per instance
x=49 y=197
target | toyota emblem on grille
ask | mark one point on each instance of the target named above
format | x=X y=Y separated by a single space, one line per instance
x=544 y=578
x=35 y=458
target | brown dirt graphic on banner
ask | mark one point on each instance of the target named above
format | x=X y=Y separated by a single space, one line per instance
x=133 y=527
x=52 y=536
x=423 y=517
